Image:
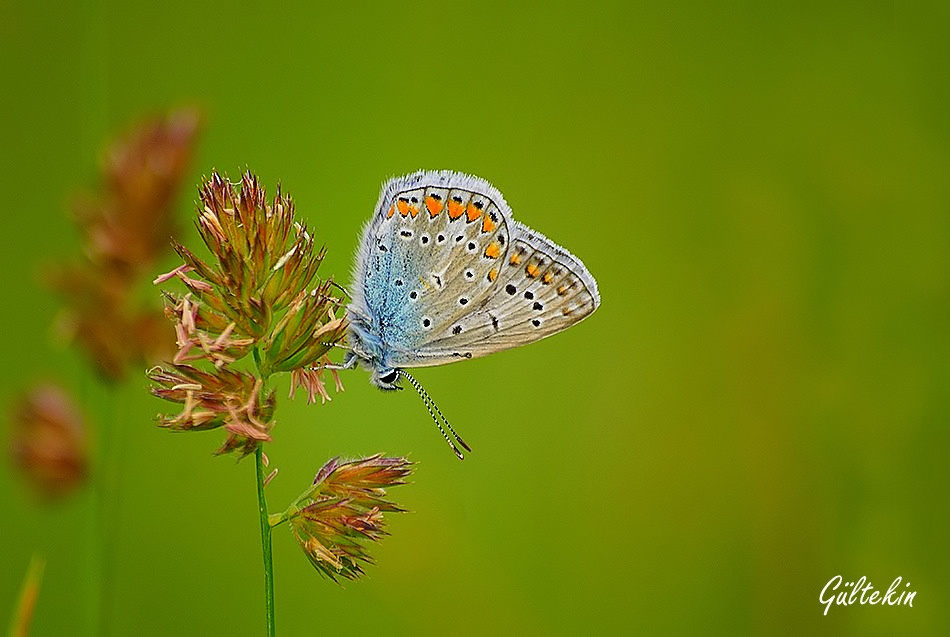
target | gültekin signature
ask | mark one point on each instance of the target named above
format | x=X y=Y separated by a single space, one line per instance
x=838 y=592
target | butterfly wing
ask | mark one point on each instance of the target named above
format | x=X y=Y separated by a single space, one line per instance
x=541 y=289
x=444 y=273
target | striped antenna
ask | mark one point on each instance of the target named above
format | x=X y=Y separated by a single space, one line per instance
x=430 y=406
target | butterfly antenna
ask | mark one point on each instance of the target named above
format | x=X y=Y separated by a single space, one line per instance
x=430 y=406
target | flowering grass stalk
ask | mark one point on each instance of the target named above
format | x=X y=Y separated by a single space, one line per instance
x=259 y=308
x=124 y=224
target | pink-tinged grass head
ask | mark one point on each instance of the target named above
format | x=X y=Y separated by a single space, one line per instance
x=261 y=279
x=342 y=513
x=220 y=398
x=256 y=297
x=125 y=228
x=48 y=442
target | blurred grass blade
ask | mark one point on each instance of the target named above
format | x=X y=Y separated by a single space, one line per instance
x=23 y=614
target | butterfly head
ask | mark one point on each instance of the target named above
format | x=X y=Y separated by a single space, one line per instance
x=385 y=378
x=382 y=376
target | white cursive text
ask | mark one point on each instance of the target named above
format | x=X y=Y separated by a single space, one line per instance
x=862 y=592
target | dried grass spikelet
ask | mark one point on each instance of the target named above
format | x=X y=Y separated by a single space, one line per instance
x=342 y=512
x=258 y=294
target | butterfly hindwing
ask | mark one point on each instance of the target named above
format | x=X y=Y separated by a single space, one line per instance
x=541 y=289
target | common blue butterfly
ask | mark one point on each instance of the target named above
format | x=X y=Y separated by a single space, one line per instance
x=444 y=273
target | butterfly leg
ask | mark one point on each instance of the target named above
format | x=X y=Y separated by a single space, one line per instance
x=349 y=362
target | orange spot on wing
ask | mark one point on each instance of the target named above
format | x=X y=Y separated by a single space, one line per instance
x=473 y=212
x=532 y=270
x=493 y=250
x=488 y=224
x=403 y=207
x=413 y=210
x=561 y=290
x=434 y=206
x=392 y=209
x=492 y=274
x=515 y=259
x=455 y=209
x=547 y=278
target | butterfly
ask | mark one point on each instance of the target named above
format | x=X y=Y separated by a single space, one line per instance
x=444 y=273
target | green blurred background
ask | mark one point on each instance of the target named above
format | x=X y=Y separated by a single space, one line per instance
x=760 y=404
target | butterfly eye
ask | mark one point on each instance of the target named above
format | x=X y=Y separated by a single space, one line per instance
x=389 y=378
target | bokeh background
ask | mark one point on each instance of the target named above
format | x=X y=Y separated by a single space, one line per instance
x=761 y=402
